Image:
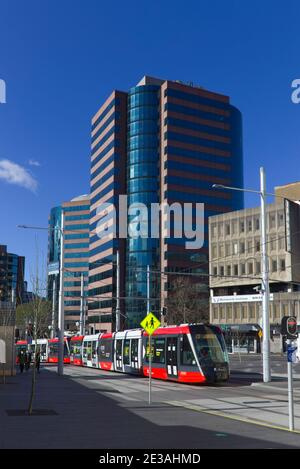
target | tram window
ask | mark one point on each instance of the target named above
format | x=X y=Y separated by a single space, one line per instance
x=89 y=350
x=186 y=353
x=105 y=349
x=159 y=350
x=134 y=349
x=126 y=348
x=94 y=348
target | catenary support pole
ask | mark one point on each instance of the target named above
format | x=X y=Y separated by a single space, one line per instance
x=53 y=307
x=81 y=304
x=118 y=322
x=265 y=281
x=61 y=314
x=290 y=389
x=148 y=311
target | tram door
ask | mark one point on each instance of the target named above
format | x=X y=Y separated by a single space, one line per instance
x=94 y=354
x=172 y=364
x=118 y=355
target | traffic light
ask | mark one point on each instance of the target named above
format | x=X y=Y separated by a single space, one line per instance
x=164 y=311
x=289 y=327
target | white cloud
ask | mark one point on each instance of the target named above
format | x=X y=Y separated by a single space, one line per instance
x=15 y=174
x=34 y=163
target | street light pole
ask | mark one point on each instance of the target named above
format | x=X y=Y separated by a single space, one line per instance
x=265 y=281
x=265 y=270
x=53 y=307
x=81 y=304
x=118 y=321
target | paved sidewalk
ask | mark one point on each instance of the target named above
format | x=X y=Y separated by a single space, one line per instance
x=85 y=412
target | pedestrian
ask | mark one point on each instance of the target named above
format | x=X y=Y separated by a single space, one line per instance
x=21 y=361
x=37 y=361
x=27 y=360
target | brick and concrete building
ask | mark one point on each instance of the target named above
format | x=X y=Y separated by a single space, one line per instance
x=162 y=141
x=235 y=264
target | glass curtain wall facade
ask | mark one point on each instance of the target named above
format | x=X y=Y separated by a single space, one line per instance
x=12 y=269
x=54 y=248
x=142 y=187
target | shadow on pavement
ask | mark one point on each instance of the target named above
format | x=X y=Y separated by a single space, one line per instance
x=87 y=418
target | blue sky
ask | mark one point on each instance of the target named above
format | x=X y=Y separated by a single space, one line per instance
x=61 y=59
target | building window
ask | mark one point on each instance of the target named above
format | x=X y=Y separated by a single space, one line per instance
x=222 y=270
x=215 y=271
x=227 y=229
x=257 y=268
x=236 y=270
x=215 y=312
x=214 y=230
x=276 y=310
x=229 y=311
x=214 y=251
x=244 y=311
x=234 y=227
x=272 y=220
x=242 y=227
x=250 y=268
x=242 y=248
x=249 y=225
x=243 y=269
x=281 y=243
x=272 y=243
x=280 y=219
x=229 y=270
x=257 y=246
x=235 y=312
x=227 y=249
x=222 y=312
x=251 y=310
x=274 y=265
x=282 y=264
x=221 y=250
x=257 y=224
x=221 y=232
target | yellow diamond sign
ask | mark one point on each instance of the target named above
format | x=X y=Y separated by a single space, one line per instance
x=150 y=323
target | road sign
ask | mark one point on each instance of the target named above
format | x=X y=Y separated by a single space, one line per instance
x=150 y=323
x=291 y=354
x=260 y=334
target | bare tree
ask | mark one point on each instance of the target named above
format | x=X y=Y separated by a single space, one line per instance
x=185 y=303
x=36 y=317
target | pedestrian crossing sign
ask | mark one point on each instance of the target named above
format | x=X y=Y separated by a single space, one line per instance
x=150 y=323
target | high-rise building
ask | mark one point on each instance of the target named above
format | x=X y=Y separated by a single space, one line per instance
x=76 y=256
x=12 y=269
x=54 y=247
x=162 y=142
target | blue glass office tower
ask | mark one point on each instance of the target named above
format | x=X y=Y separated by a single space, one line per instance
x=142 y=187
